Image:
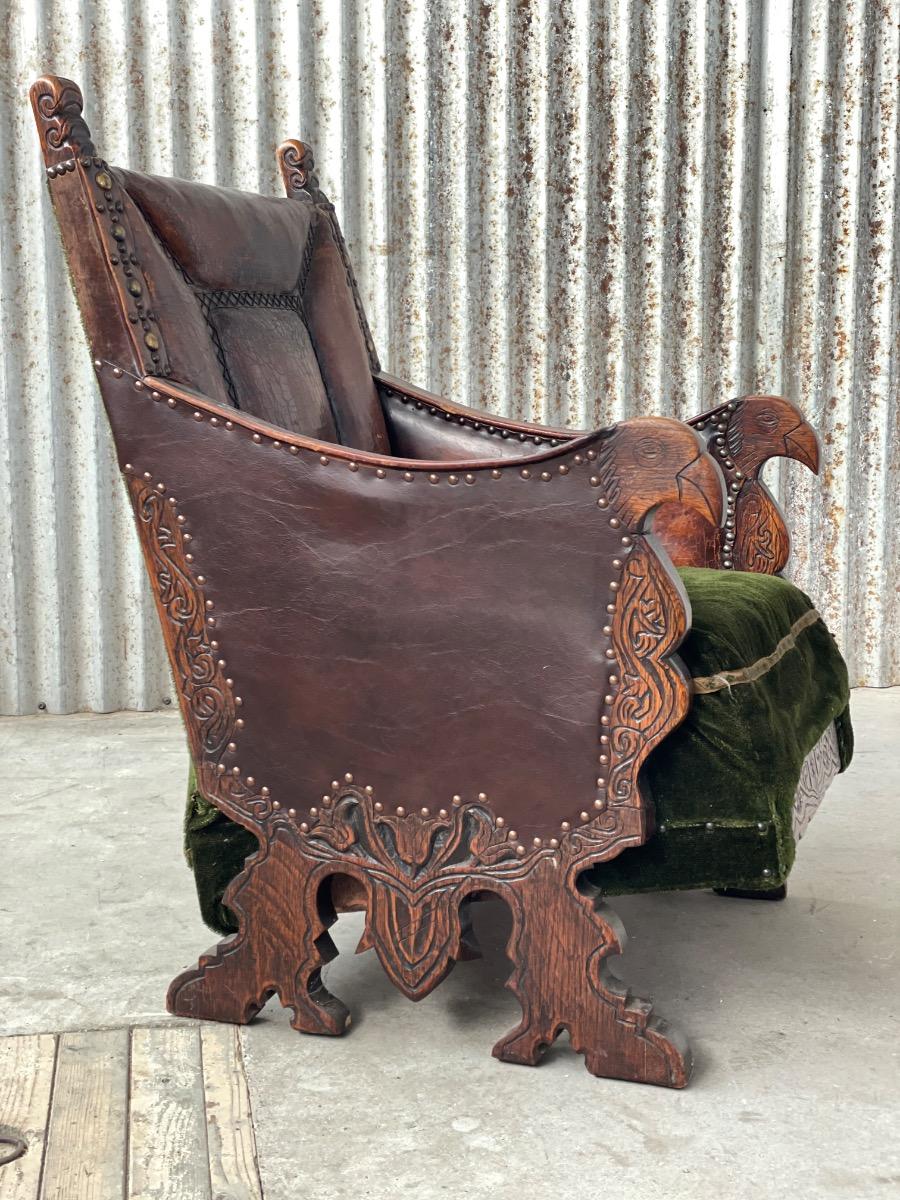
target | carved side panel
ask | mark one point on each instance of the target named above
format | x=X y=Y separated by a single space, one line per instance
x=208 y=702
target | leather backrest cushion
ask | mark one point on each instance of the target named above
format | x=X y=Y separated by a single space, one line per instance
x=257 y=339
x=223 y=238
x=253 y=272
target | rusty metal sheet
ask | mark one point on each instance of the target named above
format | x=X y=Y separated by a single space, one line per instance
x=570 y=212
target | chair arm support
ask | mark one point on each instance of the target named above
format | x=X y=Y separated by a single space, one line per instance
x=423 y=425
x=743 y=435
x=498 y=629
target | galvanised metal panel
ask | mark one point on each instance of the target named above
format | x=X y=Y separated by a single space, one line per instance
x=568 y=211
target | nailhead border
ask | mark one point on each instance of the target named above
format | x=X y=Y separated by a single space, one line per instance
x=433 y=410
x=714 y=426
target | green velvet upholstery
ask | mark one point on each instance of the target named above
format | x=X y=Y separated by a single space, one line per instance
x=722 y=784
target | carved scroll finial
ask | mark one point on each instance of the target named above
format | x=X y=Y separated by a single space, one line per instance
x=58 y=105
x=295 y=160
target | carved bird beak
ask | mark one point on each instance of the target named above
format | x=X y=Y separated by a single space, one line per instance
x=802 y=444
x=701 y=487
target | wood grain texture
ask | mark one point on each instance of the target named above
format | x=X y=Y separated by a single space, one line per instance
x=742 y=436
x=86 y=1135
x=167 y=1148
x=26 y=1079
x=229 y=1127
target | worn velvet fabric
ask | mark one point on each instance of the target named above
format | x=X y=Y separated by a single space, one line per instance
x=769 y=678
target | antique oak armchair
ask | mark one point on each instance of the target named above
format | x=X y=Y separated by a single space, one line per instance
x=422 y=653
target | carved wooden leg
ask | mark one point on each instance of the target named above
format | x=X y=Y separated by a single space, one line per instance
x=281 y=946
x=777 y=893
x=559 y=945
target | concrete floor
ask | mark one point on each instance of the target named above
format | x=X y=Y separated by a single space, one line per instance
x=792 y=1009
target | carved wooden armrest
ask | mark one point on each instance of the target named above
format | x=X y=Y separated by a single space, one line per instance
x=742 y=435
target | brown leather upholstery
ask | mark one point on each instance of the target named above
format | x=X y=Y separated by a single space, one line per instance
x=254 y=305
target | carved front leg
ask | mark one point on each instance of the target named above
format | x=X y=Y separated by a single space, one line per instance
x=559 y=946
x=281 y=946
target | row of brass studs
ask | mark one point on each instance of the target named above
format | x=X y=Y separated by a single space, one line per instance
x=717 y=422
x=471 y=423
x=118 y=255
x=61 y=168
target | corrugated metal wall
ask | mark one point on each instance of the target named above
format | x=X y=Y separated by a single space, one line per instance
x=564 y=211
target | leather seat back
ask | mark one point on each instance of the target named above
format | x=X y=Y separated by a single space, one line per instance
x=253 y=301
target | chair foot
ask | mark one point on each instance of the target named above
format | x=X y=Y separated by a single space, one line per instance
x=281 y=946
x=776 y=893
x=559 y=946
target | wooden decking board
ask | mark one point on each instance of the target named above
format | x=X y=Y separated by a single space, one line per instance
x=86 y=1134
x=152 y=1113
x=167 y=1150
x=232 y=1145
x=26 y=1083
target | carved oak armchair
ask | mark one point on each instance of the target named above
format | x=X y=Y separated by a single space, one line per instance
x=422 y=654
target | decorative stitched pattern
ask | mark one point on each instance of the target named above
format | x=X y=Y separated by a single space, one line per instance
x=749 y=674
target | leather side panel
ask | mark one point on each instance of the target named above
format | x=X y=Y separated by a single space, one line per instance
x=192 y=355
x=431 y=639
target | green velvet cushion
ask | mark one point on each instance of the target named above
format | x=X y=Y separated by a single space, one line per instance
x=722 y=784
x=735 y=761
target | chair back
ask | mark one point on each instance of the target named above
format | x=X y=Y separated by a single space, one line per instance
x=248 y=299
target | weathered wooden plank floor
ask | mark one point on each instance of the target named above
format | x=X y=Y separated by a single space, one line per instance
x=148 y=1113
